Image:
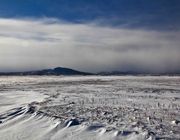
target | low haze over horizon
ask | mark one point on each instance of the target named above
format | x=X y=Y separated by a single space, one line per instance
x=90 y=35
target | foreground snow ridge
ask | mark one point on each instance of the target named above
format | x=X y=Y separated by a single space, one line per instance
x=89 y=108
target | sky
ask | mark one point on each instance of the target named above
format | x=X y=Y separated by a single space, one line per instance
x=90 y=35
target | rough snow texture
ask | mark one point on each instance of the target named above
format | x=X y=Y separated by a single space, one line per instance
x=89 y=108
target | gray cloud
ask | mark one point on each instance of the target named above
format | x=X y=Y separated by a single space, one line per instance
x=29 y=44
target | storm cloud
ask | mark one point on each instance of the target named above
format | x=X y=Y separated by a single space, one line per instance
x=31 y=44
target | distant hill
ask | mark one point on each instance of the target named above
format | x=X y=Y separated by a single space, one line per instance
x=68 y=71
x=137 y=73
x=118 y=73
x=55 y=71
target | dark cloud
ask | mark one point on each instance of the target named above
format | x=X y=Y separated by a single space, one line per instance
x=144 y=14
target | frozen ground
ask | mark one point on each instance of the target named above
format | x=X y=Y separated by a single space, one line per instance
x=89 y=108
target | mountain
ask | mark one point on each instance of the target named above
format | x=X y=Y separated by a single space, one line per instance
x=68 y=71
x=55 y=71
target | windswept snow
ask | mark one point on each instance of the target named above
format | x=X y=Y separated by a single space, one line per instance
x=89 y=107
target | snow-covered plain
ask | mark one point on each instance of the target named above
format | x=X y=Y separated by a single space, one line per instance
x=89 y=108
